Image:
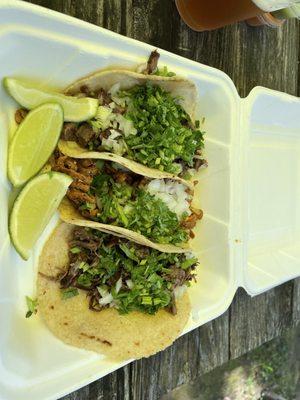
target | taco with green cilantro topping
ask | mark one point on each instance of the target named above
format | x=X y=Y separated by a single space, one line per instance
x=145 y=116
x=110 y=196
x=108 y=294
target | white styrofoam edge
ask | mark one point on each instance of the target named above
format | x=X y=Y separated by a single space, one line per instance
x=246 y=106
x=69 y=23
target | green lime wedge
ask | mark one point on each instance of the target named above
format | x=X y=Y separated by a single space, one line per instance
x=30 y=96
x=33 y=142
x=33 y=209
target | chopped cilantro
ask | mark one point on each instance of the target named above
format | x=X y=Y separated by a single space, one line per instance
x=153 y=275
x=164 y=72
x=137 y=210
x=75 y=250
x=188 y=263
x=32 y=306
x=100 y=164
x=165 y=135
x=87 y=206
x=68 y=293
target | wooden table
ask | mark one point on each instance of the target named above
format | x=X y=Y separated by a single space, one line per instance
x=251 y=57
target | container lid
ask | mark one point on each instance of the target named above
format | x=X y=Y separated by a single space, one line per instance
x=270 y=188
x=273 y=5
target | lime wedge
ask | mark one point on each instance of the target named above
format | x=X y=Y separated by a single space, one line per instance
x=33 y=209
x=30 y=96
x=33 y=142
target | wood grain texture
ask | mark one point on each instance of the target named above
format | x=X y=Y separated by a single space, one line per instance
x=251 y=57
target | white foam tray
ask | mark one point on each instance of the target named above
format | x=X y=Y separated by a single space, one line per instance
x=250 y=235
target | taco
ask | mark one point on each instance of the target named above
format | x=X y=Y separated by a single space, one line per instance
x=143 y=117
x=110 y=295
x=110 y=196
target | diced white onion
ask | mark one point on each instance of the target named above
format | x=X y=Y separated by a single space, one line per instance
x=129 y=283
x=103 y=117
x=106 y=299
x=114 y=134
x=111 y=144
x=173 y=194
x=125 y=125
x=118 y=285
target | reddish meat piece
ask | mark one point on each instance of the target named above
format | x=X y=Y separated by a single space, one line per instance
x=191 y=220
x=69 y=131
x=20 y=115
x=85 y=134
x=152 y=62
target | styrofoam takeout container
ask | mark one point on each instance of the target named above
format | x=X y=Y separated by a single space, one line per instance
x=250 y=235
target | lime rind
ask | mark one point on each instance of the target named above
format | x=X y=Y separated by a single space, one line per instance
x=30 y=96
x=60 y=183
x=36 y=153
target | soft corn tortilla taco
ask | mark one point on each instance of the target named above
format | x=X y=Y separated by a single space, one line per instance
x=112 y=196
x=72 y=149
x=146 y=118
x=118 y=336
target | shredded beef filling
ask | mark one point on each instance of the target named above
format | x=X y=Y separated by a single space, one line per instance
x=86 y=257
x=152 y=62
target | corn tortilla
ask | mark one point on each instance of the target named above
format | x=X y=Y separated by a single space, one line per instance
x=118 y=337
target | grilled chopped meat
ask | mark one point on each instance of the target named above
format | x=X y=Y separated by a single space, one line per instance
x=69 y=131
x=119 y=110
x=176 y=275
x=200 y=163
x=173 y=308
x=81 y=233
x=70 y=276
x=94 y=301
x=90 y=245
x=82 y=172
x=103 y=97
x=90 y=214
x=84 y=187
x=85 y=134
x=20 y=115
x=191 y=220
x=84 y=89
x=152 y=62
x=90 y=171
x=85 y=163
x=78 y=198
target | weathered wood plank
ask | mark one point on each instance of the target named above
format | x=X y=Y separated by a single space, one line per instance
x=191 y=356
x=296 y=302
x=256 y=320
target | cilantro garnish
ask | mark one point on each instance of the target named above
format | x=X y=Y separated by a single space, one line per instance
x=32 y=306
x=68 y=293
x=165 y=135
x=134 y=208
x=164 y=72
x=75 y=250
x=147 y=278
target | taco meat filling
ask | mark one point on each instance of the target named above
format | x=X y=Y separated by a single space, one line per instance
x=118 y=273
x=159 y=209
x=145 y=124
